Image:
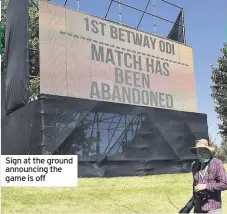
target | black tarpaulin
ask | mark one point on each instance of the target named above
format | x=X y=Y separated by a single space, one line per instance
x=21 y=131
x=110 y=139
x=3 y=112
x=177 y=31
x=16 y=52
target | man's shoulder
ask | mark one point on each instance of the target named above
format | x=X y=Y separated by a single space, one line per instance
x=216 y=162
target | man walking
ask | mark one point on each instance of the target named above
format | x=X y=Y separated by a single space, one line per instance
x=209 y=179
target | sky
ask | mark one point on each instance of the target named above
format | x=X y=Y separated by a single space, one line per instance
x=206 y=31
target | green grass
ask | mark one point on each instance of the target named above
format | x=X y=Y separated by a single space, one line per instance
x=105 y=195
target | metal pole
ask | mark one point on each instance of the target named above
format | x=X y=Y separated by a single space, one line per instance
x=42 y=143
x=154 y=18
x=183 y=26
x=35 y=4
x=65 y=2
x=120 y=11
x=78 y=4
x=143 y=13
x=97 y=137
x=108 y=8
x=171 y=3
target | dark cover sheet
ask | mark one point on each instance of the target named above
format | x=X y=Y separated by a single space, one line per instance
x=110 y=139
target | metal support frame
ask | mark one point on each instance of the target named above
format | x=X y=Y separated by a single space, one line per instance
x=120 y=3
x=113 y=140
x=129 y=125
x=127 y=122
x=65 y=2
x=144 y=13
x=138 y=122
x=147 y=13
x=91 y=142
x=171 y=4
x=108 y=8
x=113 y=135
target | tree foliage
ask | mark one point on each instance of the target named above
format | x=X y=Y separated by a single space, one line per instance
x=3 y=20
x=33 y=32
x=220 y=151
x=219 y=95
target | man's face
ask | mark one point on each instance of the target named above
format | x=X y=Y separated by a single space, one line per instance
x=203 y=154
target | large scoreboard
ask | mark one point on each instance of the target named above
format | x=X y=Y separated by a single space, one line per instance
x=87 y=57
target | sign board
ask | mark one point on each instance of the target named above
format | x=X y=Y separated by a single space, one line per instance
x=87 y=57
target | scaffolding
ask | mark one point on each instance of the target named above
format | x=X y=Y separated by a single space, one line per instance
x=144 y=11
x=99 y=134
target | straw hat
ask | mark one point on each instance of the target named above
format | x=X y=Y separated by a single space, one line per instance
x=202 y=143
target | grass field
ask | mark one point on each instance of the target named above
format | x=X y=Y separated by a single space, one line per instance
x=105 y=195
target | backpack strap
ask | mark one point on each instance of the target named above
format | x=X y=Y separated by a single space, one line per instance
x=195 y=165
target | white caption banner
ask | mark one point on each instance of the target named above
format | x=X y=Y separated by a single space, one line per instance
x=41 y=170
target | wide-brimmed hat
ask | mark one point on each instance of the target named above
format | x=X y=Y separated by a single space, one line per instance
x=202 y=143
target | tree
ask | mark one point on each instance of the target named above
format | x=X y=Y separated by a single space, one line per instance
x=3 y=20
x=220 y=151
x=219 y=95
x=33 y=32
